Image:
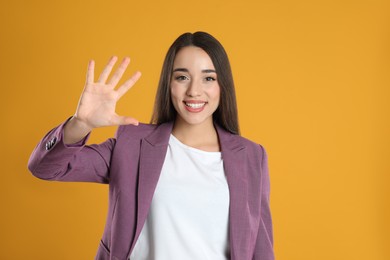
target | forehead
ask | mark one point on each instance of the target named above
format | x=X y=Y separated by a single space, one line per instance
x=193 y=57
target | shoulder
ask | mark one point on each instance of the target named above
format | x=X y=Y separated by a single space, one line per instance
x=253 y=148
x=238 y=142
x=137 y=132
x=152 y=132
x=255 y=152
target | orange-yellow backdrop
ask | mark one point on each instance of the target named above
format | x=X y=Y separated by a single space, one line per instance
x=312 y=82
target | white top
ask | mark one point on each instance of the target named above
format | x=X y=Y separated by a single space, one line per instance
x=188 y=217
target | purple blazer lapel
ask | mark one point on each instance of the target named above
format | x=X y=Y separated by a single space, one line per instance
x=233 y=155
x=152 y=155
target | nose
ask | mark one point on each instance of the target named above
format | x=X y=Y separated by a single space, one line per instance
x=194 y=89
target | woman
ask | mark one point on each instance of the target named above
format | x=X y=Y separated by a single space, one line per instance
x=186 y=186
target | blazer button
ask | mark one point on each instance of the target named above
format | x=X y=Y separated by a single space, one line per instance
x=50 y=144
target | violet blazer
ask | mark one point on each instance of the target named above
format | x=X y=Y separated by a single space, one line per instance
x=131 y=164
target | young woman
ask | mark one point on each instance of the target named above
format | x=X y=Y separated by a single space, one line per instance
x=186 y=186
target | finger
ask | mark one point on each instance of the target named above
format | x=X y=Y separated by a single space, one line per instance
x=107 y=70
x=91 y=72
x=128 y=84
x=125 y=120
x=119 y=72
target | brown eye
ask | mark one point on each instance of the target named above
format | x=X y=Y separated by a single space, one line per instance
x=181 y=78
x=210 y=79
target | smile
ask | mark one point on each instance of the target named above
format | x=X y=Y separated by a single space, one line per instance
x=195 y=105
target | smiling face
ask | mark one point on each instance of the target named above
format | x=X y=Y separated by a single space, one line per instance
x=195 y=92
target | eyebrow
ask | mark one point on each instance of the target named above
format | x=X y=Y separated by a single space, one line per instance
x=186 y=70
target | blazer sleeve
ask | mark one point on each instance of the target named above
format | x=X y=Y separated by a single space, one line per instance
x=54 y=160
x=264 y=243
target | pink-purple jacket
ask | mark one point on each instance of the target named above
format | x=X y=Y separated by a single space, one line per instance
x=131 y=163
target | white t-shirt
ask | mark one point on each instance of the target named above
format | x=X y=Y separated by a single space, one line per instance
x=188 y=217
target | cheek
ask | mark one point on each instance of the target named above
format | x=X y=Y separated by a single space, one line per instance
x=175 y=90
x=175 y=96
x=172 y=91
x=215 y=93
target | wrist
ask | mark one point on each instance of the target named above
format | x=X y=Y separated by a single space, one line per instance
x=80 y=124
x=75 y=130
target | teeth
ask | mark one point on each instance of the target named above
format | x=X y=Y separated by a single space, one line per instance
x=195 y=105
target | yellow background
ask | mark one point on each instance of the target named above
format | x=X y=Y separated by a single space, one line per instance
x=312 y=81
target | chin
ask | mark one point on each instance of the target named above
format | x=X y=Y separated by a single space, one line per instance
x=191 y=120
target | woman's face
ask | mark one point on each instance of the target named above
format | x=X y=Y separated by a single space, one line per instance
x=194 y=87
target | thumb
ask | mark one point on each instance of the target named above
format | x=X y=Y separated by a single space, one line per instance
x=126 y=120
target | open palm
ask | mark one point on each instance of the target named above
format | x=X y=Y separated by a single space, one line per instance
x=97 y=103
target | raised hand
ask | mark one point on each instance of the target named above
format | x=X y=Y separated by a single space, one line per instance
x=98 y=100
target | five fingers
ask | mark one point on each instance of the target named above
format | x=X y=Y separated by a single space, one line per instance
x=117 y=120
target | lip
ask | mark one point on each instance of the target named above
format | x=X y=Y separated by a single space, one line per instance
x=195 y=109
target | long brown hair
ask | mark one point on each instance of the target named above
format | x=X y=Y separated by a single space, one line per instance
x=226 y=114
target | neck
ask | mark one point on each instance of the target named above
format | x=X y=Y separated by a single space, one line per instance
x=202 y=136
